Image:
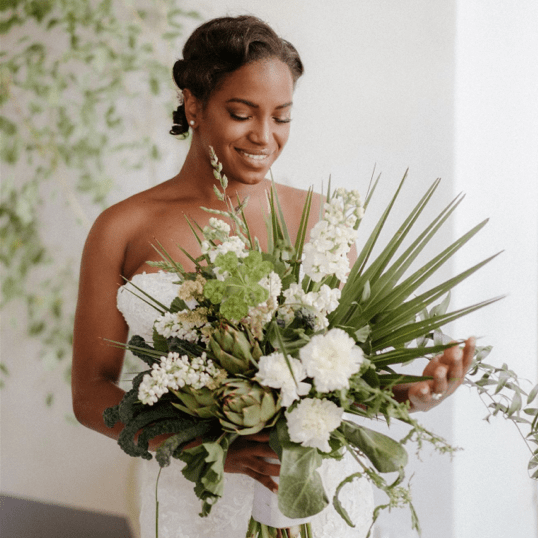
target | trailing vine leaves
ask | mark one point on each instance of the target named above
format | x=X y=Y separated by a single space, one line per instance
x=80 y=81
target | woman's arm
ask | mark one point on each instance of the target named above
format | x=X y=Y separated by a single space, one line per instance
x=96 y=364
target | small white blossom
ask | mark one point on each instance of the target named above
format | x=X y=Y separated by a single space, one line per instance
x=274 y=372
x=312 y=421
x=331 y=359
x=217 y=230
x=331 y=238
x=231 y=244
x=319 y=303
x=174 y=372
x=186 y=325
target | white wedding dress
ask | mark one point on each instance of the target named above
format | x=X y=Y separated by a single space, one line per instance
x=178 y=505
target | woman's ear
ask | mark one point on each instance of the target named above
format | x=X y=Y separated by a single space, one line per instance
x=193 y=108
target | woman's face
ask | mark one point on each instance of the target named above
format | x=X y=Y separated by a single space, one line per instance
x=247 y=119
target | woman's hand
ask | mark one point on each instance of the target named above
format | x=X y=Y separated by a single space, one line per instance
x=247 y=455
x=448 y=371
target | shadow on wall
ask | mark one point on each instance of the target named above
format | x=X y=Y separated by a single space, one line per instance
x=22 y=518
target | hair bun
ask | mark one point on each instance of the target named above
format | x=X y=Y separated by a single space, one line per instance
x=178 y=73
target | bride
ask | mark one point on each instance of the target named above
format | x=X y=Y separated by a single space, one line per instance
x=236 y=81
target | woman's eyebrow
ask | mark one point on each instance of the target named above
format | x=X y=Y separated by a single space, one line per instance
x=254 y=105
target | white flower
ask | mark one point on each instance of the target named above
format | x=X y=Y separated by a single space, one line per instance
x=319 y=303
x=186 y=325
x=274 y=372
x=175 y=371
x=272 y=284
x=331 y=238
x=312 y=422
x=231 y=244
x=331 y=359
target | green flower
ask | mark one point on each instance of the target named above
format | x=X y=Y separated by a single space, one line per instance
x=214 y=291
x=247 y=407
x=198 y=403
x=234 y=350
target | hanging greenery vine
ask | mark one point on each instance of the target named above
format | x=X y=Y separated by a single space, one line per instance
x=79 y=82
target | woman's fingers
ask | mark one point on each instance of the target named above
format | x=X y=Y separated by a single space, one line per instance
x=249 y=455
x=448 y=372
x=266 y=480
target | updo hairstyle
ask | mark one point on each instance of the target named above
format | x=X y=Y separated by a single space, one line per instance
x=220 y=46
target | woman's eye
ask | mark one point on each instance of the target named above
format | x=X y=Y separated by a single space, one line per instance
x=283 y=120
x=238 y=117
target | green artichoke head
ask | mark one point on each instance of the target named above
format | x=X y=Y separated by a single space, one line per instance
x=236 y=351
x=247 y=407
x=198 y=403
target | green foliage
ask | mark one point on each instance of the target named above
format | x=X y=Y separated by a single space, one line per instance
x=72 y=74
x=502 y=392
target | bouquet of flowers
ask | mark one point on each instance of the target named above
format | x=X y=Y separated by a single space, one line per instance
x=291 y=339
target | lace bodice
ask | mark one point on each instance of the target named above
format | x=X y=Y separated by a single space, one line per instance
x=178 y=505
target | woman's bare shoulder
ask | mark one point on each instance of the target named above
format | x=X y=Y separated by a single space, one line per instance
x=295 y=199
x=124 y=218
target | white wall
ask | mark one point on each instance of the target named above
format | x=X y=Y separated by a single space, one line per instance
x=496 y=158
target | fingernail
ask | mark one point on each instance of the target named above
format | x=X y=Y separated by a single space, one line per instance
x=424 y=390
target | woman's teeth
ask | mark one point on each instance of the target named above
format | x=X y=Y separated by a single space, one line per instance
x=255 y=157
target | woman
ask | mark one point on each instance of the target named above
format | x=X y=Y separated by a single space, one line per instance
x=236 y=82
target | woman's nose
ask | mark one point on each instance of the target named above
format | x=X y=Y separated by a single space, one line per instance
x=261 y=132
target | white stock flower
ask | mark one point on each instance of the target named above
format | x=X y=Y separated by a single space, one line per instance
x=331 y=238
x=274 y=372
x=175 y=371
x=186 y=325
x=331 y=359
x=319 y=303
x=231 y=244
x=312 y=421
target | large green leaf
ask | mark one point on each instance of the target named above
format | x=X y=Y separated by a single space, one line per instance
x=300 y=490
x=386 y=454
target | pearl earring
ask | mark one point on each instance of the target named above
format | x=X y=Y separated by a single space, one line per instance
x=191 y=123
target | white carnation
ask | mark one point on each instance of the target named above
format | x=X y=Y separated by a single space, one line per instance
x=312 y=421
x=274 y=372
x=331 y=359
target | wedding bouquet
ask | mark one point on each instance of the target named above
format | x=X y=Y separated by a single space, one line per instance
x=289 y=340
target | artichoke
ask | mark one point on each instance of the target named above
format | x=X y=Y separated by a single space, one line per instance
x=198 y=403
x=236 y=351
x=247 y=407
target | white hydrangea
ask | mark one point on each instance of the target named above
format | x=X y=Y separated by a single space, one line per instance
x=319 y=303
x=274 y=372
x=312 y=421
x=175 y=371
x=332 y=237
x=185 y=324
x=331 y=359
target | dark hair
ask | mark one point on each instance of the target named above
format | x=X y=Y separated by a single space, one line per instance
x=219 y=47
